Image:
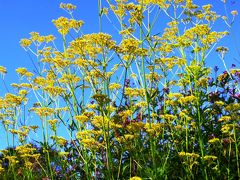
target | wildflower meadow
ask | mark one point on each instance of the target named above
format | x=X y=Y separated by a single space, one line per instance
x=139 y=104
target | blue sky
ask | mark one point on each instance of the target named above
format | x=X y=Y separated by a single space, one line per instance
x=18 y=18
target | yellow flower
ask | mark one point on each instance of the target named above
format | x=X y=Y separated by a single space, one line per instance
x=54 y=90
x=62 y=153
x=234 y=13
x=3 y=70
x=90 y=143
x=59 y=140
x=187 y=99
x=187 y=154
x=214 y=140
x=53 y=123
x=135 y=178
x=82 y=118
x=219 y=103
x=225 y=119
x=207 y=7
x=43 y=111
x=21 y=71
x=1 y=170
x=68 y=6
x=34 y=36
x=12 y=160
x=209 y=158
x=49 y=38
x=62 y=24
x=227 y=128
x=168 y=117
x=22 y=92
x=25 y=43
x=126 y=113
x=141 y=104
x=114 y=86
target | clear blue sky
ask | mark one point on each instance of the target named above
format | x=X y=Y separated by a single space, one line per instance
x=19 y=17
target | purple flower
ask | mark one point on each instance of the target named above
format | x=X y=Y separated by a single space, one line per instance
x=210 y=81
x=127 y=83
x=216 y=68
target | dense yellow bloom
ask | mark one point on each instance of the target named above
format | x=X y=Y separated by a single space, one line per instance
x=114 y=86
x=64 y=25
x=54 y=90
x=25 y=149
x=168 y=117
x=13 y=100
x=43 y=111
x=40 y=81
x=233 y=107
x=82 y=118
x=67 y=78
x=91 y=143
x=225 y=119
x=135 y=126
x=12 y=160
x=187 y=99
x=49 y=38
x=134 y=92
x=154 y=128
x=129 y=46
x=23 y=72
x=126 y=113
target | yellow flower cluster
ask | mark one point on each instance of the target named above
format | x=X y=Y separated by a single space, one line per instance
x=54 y=90
x=135 y=178
x=25 y=42
x=134 y=92
x=113 y=86
x=187 y=99
x=154 y=129
x=61 y=141
x=225 y=119
x=82 y=118
x=68 y=6
x=214 y=140
x=23 y=72
x=67 y=78
x=187 y=154
x=3 y=70
x=43 y=111
x=209 y=158
x=53 y=123
x=64 y=25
